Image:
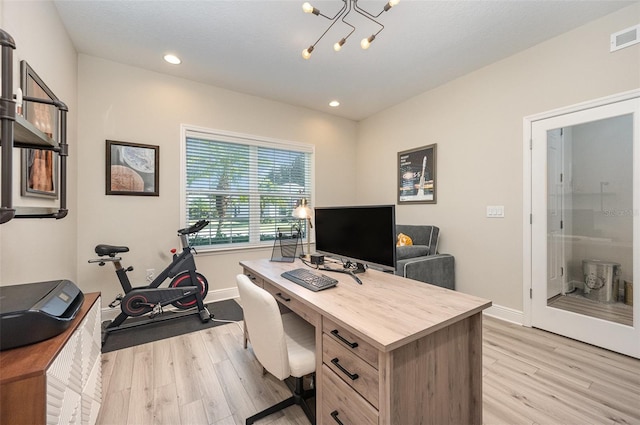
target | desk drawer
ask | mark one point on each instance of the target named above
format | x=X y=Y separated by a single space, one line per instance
x=294 y=305
x=353 y=343
x=342 y=405
x=255 y=279
x=357 y=373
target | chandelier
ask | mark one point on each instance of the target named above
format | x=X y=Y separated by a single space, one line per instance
x=342 y=15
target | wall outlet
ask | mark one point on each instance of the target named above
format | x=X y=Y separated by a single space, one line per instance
x=151 y=274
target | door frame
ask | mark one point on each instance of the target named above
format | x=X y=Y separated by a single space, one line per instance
x=527 y=279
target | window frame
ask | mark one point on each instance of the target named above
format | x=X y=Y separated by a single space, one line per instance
x=216 y=135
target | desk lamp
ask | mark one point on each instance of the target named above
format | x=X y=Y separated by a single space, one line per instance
x=303 y=212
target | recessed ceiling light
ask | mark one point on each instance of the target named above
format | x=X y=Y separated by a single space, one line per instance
x=172 y=59
x=334 y=103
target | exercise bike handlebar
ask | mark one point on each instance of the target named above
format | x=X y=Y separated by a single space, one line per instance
x=194 y=228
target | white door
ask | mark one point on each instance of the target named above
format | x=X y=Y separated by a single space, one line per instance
x=585 y=224
x=555 y=245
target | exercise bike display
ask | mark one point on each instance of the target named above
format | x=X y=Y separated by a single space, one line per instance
x=187 y=288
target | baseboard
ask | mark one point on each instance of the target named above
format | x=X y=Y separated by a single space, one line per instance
x=212 y=296
x=505 y=313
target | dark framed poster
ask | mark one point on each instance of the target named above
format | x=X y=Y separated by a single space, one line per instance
x=132 y=169
x=417 y=175
x=39 y=173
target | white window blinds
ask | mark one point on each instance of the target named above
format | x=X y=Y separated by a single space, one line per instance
x=246 y=186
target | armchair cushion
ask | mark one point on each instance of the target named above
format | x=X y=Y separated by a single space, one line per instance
x=421 y=235
x=421 y=261
x=411 y=251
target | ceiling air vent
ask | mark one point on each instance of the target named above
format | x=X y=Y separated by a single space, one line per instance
x=625 y=38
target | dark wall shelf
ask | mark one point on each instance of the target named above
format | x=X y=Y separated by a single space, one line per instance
x=26 y=135
x=17 y=132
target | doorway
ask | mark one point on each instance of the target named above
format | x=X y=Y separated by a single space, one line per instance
x=583 y=222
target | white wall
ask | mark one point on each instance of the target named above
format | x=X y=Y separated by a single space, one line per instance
x=118 y=102
x=477 y=121
x=36 y=250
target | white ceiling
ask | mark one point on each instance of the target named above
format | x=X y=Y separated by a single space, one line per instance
x=254 y=47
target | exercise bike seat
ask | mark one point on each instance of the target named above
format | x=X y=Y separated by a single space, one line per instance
x=110 y=250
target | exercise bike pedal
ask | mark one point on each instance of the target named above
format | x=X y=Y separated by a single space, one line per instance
x=157 y=310
x=205 y=316
x=115 y=303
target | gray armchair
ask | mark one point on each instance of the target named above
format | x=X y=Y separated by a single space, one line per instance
x=421 y=261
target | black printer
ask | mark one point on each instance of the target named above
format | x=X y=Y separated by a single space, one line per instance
x=34 y=312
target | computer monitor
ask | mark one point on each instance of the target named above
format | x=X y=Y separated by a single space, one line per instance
x=363 y=235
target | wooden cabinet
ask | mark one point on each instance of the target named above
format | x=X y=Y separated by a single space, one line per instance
x=57 y=381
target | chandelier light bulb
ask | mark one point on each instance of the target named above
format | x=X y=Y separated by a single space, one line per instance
x=306 y=53
x=390 y=4
x=366 y=42
x=338 y=46
x=307 y=8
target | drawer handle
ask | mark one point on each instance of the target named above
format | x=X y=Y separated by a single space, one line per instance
x=341 y=338
x=279 y=294
x=352 y=376
x=334 y=415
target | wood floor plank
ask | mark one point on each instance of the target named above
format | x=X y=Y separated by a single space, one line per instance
x=615 y=312
x=211 y=392
x=166 y=408
x=184 y=369
x=116 y=407
x=211 y=338
x=227 y=421
x=163 y=373
x=555 y=401
x=529 y=377
x=142 y=388
x=193 y=414
x=497 y=412
x=240 y=402
x=528 y=351
x=107 y=361
x=122 y=371
x=264 y=390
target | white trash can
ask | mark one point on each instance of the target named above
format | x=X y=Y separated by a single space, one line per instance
x=601 y=280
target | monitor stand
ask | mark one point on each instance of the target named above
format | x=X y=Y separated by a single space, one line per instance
x=360 y=268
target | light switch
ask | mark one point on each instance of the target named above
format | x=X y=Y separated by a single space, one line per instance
x=495 y=211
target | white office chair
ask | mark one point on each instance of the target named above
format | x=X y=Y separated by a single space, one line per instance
x=283 y=344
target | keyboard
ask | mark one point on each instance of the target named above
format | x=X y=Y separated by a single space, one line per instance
x=311 y=280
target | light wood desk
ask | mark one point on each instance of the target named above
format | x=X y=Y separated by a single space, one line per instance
x=392 y=351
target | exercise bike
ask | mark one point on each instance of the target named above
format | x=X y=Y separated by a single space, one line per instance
x=186 y=290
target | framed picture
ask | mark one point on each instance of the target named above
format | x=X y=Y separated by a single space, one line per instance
x=43 y=116
x=39 y=167
x=132 y=169
x=417 y=176
x=39 y=173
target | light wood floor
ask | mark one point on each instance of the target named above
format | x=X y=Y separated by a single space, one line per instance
x=616 y=312
x=529 y=376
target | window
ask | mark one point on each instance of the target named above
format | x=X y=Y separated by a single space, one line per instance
x=246 y=186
